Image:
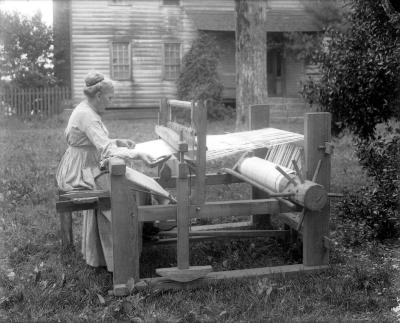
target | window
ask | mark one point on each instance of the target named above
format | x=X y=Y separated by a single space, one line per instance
x=120 y=61
x=172 y=60
x=171 y=2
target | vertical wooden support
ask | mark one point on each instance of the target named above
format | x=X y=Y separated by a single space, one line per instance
x=164 y=113
x=259 y=116
x=317 y=131
x=182 y=217
x=125 y=228
x=67 y=238
x=200 y=125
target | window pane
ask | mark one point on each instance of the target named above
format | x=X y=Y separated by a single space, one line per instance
x=120 y=61
x=172 y=60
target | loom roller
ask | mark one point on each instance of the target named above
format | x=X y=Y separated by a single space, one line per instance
x=281 y=182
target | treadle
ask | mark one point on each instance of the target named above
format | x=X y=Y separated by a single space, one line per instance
x=184 y=275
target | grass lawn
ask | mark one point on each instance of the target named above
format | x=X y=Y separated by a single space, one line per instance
x=40 y=283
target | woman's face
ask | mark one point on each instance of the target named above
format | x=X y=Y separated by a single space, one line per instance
x=104 y=100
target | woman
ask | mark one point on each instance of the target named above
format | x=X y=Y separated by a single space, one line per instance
x=88 y=144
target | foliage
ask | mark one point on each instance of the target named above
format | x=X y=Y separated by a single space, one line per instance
x=372 y=213
x=360 y=68
x=198 y=79
x=26 y=51
x=303 y=45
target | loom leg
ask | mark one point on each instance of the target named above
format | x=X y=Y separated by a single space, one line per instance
x=317 y=131
x=66 y=229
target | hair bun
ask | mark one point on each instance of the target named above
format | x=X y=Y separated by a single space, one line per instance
x=93 y=78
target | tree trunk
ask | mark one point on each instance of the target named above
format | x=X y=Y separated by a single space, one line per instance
x=251 y=57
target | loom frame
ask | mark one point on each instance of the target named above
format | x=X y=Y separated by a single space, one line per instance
x=128 y=216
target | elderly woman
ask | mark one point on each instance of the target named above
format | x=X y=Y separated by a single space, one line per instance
x=88 y=144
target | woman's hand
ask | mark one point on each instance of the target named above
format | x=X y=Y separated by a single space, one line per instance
x=145 y=157
x=125 y=143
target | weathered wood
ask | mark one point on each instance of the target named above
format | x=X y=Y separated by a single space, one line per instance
x=180 y=104
x=171 y=138
x=200 y=124
x=125 y=227
x=211 y=209
x=288 y=270
x=66 y=235
x=182 y=218
x=184 y=275
x=211 y=179
x=232 y=233
x=317 y=130
x=70 y=206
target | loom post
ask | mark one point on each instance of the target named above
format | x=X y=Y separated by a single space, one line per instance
x=199 y=119
x=317 y=132
x=125 y=228
x=259 y=117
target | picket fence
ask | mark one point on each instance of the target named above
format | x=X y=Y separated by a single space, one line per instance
x=33 y=102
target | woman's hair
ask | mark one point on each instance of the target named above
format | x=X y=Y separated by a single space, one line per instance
x=96 y=82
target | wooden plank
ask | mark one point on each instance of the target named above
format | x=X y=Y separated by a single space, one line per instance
x=232 y=233
x=180 y=104
x=171 y=138
x=182 y=217
x=286 y=271
x=220 y=226
x=317 y=130
x=164 y=112
x=200 y=124
x=211 y=179
x=125 y=227
x=210 y=210
x=70 y=206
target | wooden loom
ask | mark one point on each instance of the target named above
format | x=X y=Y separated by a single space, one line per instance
x=300 y=201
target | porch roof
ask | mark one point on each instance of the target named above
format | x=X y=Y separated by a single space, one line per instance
x=277 y=20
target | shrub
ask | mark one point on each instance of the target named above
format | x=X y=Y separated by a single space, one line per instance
x=360 y=68
x=199 y=78
x=372 y=213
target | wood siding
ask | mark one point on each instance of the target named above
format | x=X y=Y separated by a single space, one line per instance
x=147 y=25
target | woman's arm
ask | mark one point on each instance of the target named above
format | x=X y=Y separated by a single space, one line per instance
x=108 y=147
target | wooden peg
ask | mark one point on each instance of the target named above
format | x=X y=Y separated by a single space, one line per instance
x=314 y=178
x=290 y=179
x=300 y=221
x=298 y=172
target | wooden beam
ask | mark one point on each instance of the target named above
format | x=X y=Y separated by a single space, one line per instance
x=210 y=209
x=232 y=233
x=211 y=179
x=200 y=123
x=180 y=104
x=125 y=227
x=71 y=206
x=317 y=132
x=171 y=138
x=286 y=271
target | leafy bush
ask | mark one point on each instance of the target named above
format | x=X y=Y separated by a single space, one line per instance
x=360 y=68
x=373 y=212
x=199 y=78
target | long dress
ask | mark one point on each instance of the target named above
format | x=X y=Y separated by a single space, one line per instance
x=88 y=143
